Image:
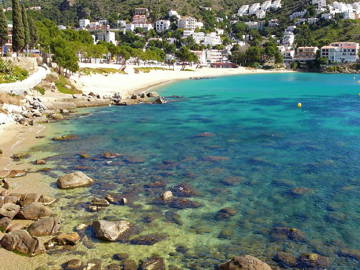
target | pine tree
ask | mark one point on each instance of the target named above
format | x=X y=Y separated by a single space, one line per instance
x=3 y=29
x=34 y=37
x=18 y=27
x=25 y=21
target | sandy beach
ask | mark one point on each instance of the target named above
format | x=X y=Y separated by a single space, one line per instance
x=126 y=84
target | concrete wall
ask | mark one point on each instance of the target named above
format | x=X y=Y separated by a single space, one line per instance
x=18 y=88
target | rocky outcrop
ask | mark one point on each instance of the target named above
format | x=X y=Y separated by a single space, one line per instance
x=9 y=210
x=74 y=180
x=21 y=241
x=45 y=226
x=35 y=211
x=246 y=262
x=113 y=230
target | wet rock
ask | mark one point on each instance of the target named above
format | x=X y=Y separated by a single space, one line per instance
x=113 y=230
x=20 y=156
x=173 y=217
x=183 y=204
x=74 y=180
x=40 y=162
x=100 y=202
x=56 y=116
x=74 y=264
x=93 y=264
x=45 y=226
x=286 y=233
x=129 y=265
x=183 y=190
x=35 y=211
x=160 y=100
x=152 y=94
x=84 y=155
x=299 y=191
x=120 y=256
x=153 y=263
x=9 y=210
x=225 y=213
x=4 y=223
x=21 y=241
x=313 y=261
x=166 y=196
x=70 y=137
x=113 y=266
x=149 y=239
x=109 y=155
x=16 y=173
x=181 y=249
x=63 y=239
x=285 y=259
x=246 y=262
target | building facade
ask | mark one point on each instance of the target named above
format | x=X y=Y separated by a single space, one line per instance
x=162 y=25
x=341 y=52
x=306 y=53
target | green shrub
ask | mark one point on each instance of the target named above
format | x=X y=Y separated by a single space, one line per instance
x=10 y=73
x=65 y=86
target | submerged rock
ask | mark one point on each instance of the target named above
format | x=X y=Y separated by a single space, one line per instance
x=350 y=253
x=225 y=213
x=183 y=204
x=74 y=180
x=149 y=239
x=286 y=233
x=129 y=265
x=204 y=134
x=45 y=226
x=183 y=190
x=21 y=241
x=70 y=137
x=232 y=181
x=109 y=155
x=173 y=217
x=16 y=173
x=113 y=230
x=120 y=256
x=246 y=262
x=74 y=264
x=35 y=211
x=313 y=261
x=300 y=191
x=40 y=162
x=166 y=196
x=153 y=263
x=285 y=259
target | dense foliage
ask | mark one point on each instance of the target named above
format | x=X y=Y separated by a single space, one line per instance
x=11 y=73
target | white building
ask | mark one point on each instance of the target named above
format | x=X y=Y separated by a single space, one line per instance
x=107 y=36
x=260 y=14
x=162 y=25
x=276 y=4
x=266 y=5
x=312 y=20
x=255 y=25
x=243 y=10
x=212 y=40
x=83 y=23
x=288 y=39
x=273 y=23
x=62 y=27
x=341 y=52
x=174 y=13
x=143 y=26
x=188 y=33
x=189 y=23
x=327 y=16
x=319 y=3
x=253 y=8
x=198 y=37
x=220 y=31
x=298 y=14
x=121 y=23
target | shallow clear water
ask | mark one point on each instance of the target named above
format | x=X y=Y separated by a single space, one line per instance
x=259 y=136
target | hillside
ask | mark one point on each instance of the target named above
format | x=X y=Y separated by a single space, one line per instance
x=69 y=11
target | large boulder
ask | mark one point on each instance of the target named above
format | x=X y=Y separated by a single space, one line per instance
x=9 y=210
x=34 y=211
x=246 y=262
x=21 y=241
x=74 y=180
x=113 y=230
x=45 y=226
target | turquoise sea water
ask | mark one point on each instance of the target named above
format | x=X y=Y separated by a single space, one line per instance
x=260 y=142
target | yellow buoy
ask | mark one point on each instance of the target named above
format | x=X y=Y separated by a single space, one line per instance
x=299 y=105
